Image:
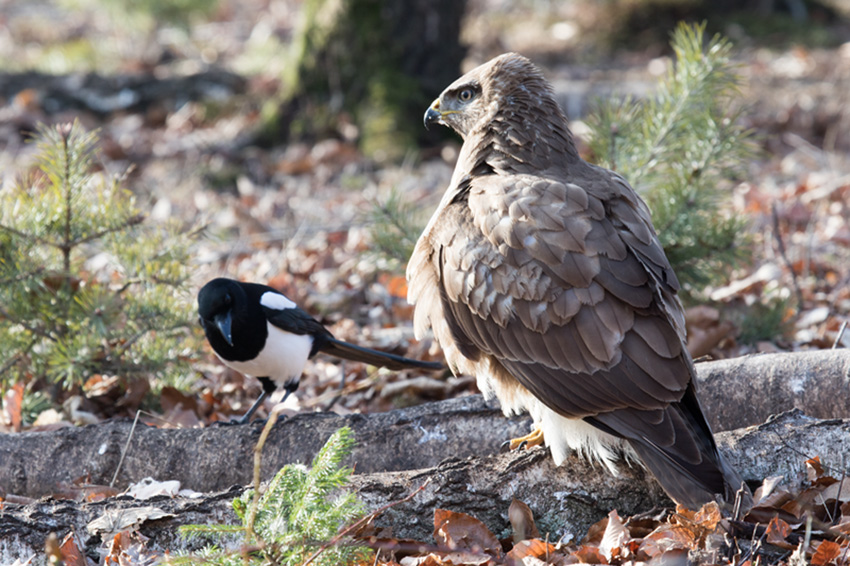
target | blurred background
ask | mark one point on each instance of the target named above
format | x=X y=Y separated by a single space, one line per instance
x=282 y=140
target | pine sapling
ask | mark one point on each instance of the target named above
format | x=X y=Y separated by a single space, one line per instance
x=87 y=285
x=682 y=149
x=300 y=510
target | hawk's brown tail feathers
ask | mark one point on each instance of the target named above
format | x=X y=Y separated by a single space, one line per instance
x=689 y=485
x=676 y=445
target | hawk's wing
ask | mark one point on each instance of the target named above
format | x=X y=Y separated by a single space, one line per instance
x=565 y=289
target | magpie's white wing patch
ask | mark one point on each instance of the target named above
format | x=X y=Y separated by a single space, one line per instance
x=276 y=301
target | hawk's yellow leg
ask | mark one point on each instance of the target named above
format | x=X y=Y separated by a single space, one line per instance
x=534 y=438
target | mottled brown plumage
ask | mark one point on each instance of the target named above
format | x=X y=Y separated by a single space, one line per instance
x=542 y=275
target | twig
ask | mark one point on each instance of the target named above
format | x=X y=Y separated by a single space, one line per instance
x=363 y=520
x=840 y=335
x=34 y=329
x=258 y=461
x=126 y=447
x=834 y=515
x=781 y=245
x=16 y=358
x=126 y=223
x=127 y=444
x=25 y=235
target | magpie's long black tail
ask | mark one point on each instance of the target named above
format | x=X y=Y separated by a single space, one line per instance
x=340 y=349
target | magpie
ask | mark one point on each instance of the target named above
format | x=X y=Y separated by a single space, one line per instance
x=258 y=331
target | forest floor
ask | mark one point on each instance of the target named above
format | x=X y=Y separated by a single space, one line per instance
x=299 y=217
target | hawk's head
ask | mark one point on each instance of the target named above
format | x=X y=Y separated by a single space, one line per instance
x=507 y=87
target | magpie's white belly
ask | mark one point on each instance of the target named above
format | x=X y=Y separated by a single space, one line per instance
x=282 y=359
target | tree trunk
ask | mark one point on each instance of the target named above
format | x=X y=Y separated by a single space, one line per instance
x=373 y=64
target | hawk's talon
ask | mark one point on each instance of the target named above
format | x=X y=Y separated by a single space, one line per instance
x=534 y=438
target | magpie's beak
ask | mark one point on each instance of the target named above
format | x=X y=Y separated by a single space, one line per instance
x=222 y=322
x=433 y=114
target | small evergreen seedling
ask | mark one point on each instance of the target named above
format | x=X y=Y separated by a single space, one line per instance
x=680 y=149
x=300 y=511
x=86 y=285
x=395 y=225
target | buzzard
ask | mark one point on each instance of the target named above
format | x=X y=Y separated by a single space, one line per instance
x=542 y=275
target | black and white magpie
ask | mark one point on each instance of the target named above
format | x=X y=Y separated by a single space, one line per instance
x=258 y=331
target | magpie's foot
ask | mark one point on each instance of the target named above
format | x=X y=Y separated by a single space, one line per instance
x=244 y=419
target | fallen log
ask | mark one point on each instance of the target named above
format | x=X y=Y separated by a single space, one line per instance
x=735 y=393
x=745 y=391
x=455 y=442
x=565 y=500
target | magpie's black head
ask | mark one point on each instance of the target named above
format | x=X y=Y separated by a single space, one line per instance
x=215 y=309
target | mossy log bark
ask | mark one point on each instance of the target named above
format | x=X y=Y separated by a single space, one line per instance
x=371 y=64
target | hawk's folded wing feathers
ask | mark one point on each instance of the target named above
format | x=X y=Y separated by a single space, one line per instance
x=563 y=325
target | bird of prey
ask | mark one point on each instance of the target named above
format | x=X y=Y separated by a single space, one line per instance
x=258 y=331
x=542 y=275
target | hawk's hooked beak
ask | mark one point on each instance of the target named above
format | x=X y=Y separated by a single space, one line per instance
x=222 y=322
x=433 y=114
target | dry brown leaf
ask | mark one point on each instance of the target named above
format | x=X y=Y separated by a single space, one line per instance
x=428 y=560
x=126 y=548
x=766 y=488
x=839 y=490
x=522 y=521
x=705 y=329
x=71 y=553
x=172 y=398
x=667 y=538
x=12 y=401
x=588 y=554
x=464 y=558
x=777 y=531
x=708 y=517
x=826 y=553
x=616 y=535
x=531 y=547
x=596 y=532
x=397 y=286
x=457 y=530
x=119 y=520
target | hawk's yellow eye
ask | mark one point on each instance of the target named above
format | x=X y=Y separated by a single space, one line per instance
x=465 y=95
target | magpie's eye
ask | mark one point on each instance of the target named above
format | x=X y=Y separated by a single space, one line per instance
x=465 y=95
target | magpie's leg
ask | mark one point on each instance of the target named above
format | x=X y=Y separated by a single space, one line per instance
x=269 y=387
x=341 y=389
x=246 y=418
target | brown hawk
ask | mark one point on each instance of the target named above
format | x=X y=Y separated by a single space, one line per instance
x=542 y=276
